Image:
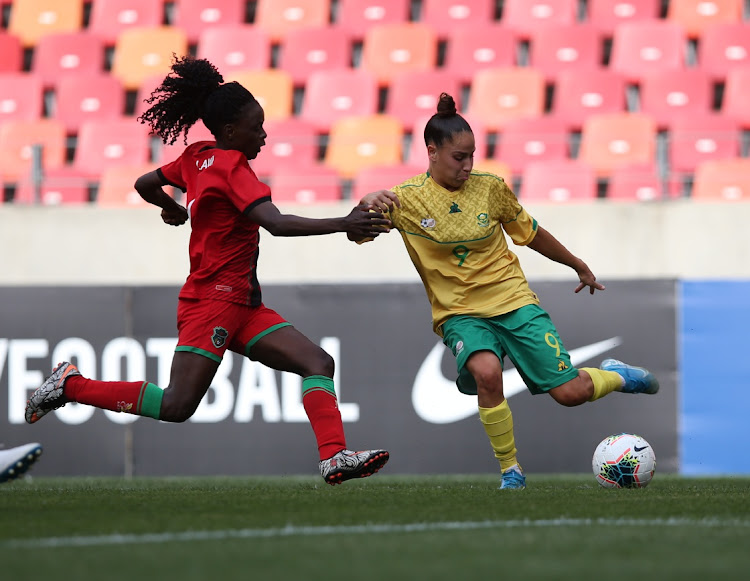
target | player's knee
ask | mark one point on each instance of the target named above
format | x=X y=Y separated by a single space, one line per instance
x=321 y=363
x=174 y=410
x=568 y=395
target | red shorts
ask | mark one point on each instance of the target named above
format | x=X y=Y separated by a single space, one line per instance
x=210 y=327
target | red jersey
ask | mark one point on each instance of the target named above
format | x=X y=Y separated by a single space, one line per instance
x=221 y=188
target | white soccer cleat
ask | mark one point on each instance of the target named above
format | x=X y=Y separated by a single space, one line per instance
x=348 y=464
x=51 y=395
x=14 y=462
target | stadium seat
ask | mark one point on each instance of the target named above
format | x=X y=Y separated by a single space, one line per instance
x=527 y=140
x=413 y=95
x=736 y=104
x=722 y=180
x=110 y=18
x=495 y=167
x=273 y=88
x=306 y=50
x=697 y=138
x=88 y=97
x=382 y=177
x=671 y=95
x=70 y=53
x=635 y=183
x=305 y=184
x=558 y=182
x=696 y=15
x=31 y=20
x=607 y=15
x=278 y=17
x=645 y=47
x=103 y=144
x=356 y=17
x=609 y=141
x=116 y=186
x=194 y=16
x=21 y=97
x=391 y=49
x=355 y=143
x=141 y=53
x=331 y=95
x=555 y=49
x=289 y=142
x=417 y=152
x=579 y=94
x=482 y=46
x=444 y=16
x=527 y=16
x=17 y=138
x=63 y=186
x=12 y=51
x=144 y=91
x=500 y=95
x=167 y=153
x=238 y=47
x=723 y=47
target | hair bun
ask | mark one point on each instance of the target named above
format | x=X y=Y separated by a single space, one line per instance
x=446 y=106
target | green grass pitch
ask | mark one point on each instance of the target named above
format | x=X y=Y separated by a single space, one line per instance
x=384 y=527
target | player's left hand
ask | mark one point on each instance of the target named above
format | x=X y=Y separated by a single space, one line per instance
x=588 y=279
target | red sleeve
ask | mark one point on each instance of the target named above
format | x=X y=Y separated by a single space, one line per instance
x=245 y=188
x=172 y=173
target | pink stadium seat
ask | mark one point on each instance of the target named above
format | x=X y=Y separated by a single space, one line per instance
x=17 y=139
x=308 y=184
x=580 y=94
x=413 y=95
x=105 y=144
x=391 y=49
x=116 y=186
x=306 y=50
x=501 y=95
x=736 y=104
x=73 y=53
x=555 y=49
x=446 y=15
x=332 y=95
x=607 y=15
x=278 y=17
x=722 y=180
x=471 y=48
x=613 y=140
x=558 y=182
x=526 y=16
x=144 y=91
x=88 y=97
x=723 y=47
x=645 y=47
x=289 y=142
x=528 y=140
x=21 y=97
x=356 y=17
x=109 y=18
x=63 y=186
x=696 y=15
x=236 y=47
x=12 y=51
x=671 y=95
x=635 y=183
x=194 y=16
x=697 y=138
x=417 y=152
x=382 y=177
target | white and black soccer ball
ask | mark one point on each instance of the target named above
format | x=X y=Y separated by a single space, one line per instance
x=624 y=461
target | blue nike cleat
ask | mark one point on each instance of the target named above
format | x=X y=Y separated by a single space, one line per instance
x=637 y=379
x=513 y=479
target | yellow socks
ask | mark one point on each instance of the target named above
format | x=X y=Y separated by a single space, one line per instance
x=605 y=382
x=498 y=423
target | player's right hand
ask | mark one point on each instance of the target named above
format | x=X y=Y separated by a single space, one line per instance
x=382 y=200
x=174 y=216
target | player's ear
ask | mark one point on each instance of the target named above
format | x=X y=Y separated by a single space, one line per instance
x=432 y=152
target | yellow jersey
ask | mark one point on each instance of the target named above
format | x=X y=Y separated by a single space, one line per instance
x=457 y=244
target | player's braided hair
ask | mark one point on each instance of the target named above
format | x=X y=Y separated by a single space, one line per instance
x=445 y=123
x=193 y=90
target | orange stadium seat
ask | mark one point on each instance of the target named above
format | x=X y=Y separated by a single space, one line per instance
x=109 y=18
x=289 y=142
x=417 y=152
x=31 y=20
x=305 y=184
x=493 y=166
x=273 y=88
x=355 y=143
x=168 y=153
x=501 y=95
x=194 y=16
x=331 y=95
x=558 y=181
x=382 y=177
x=413 y=95
x=238 y=47
x=88 y=97
x=527 y=140
x=12 y=51
x=526 y=16
x=21 y=97
x=106 y=143
x=555 y=49
x=59 y=55
x=609 y=141
x=607 y=15
x=278 y=17
x=697 y=138
x=391 y=49
x=357 y=16
x=580 y=94
x=723 y=47
x=445 y=15
x=306 y=50
x=635 y=183
x=671 y=95
x=723 y=180
x=17 y=139
x=736 y=104
x=696 y=15
x=116 y=186
x=62 y=186
x=481 y=46
x=649 y=46
x=141 y=53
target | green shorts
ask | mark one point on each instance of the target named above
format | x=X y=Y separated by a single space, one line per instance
x=526 y=335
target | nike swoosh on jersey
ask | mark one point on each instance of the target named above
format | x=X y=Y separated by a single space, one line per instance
x=438 y=401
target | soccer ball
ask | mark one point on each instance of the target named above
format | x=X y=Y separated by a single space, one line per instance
x=624 y=461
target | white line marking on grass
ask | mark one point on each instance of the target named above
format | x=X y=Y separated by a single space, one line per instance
x=313 y=531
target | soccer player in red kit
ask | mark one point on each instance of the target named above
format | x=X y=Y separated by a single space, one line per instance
x=220 y=305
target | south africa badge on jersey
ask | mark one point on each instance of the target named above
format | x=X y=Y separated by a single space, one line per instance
x=219 y=338
x=427 y=223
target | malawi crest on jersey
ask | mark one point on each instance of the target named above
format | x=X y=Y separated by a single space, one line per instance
x=219 y=337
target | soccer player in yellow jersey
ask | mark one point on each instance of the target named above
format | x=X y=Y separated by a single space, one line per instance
x=454 y=223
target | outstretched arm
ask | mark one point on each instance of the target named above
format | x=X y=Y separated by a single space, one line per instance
x=150 y=188
x=382 y=201
x=547 y=245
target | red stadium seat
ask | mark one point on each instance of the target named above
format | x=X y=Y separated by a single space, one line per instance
x=21 y=97
x=104 y=144
x=110 y=18
x=555 y=49
x=12 y=51
x=305 y=184
x=645 y=47
x=73 y=53
x=289 y=142
x=88 y=97
x=527 y=16
x=607 y=15
x=382 y=177
x=391 y=49
x=472 y=48
x=194 y=16
x=697 y=138
x=356 y=17
x=528 y=140
x=332 y=95
x=636 y=183
x=723 y=47
x=278 y=17
x=31 y=20
x=580 y=94
x=558 y=182
x=306 y=50
x=671 y=95
x=617 y=139
x=696 y=15
x=722 y=180
x=167 y=153
x=446 y=15
x=232 y=48
x=501 y=95
x=414 y=95
x=736 y=104
x=63 y=186
x=17 y=139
